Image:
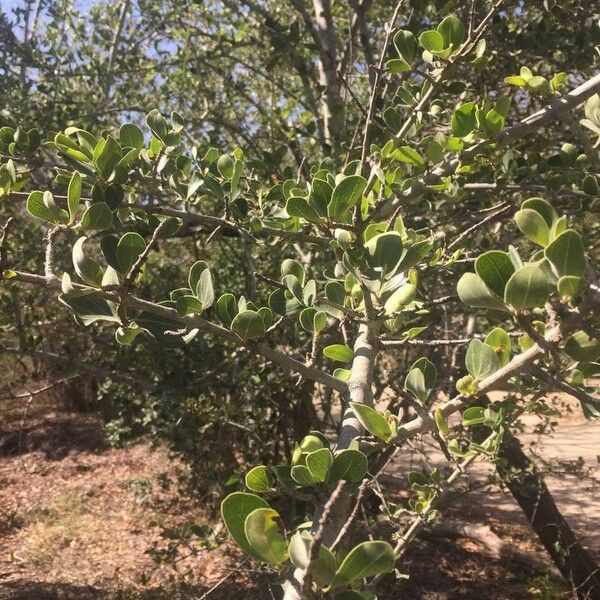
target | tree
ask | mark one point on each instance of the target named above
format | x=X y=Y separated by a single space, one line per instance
x=377 y=232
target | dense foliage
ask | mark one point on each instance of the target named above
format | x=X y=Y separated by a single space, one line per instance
x=355 y=222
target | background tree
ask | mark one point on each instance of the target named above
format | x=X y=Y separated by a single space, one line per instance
x=371 y=143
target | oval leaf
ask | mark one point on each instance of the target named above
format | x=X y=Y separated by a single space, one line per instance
x=481 y=360
x=129 y=248
x=346 y=194
x=365 y=560
x=350 y=465
x=495 y=269
x=374 y=422
x=527 y=288
x=339 y=352
x=567 y=254
x=234 y=510
x=259 y=479
x=248 y=325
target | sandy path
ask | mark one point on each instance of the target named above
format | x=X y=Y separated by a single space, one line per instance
x=573 y=441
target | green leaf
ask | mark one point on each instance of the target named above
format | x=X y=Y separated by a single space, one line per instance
x=339 y=352
x=38 y=209
x=319 y=463
x=60 y=215
x=543 y=207
x=85 y=267
x=493 y=123
x=384 y=251
x=467 y=386
x=334 y=291
x=126 y=335
x=90 y=308
x=570 y=287
x=226 y=308
x=533 y=225
x=108 y=157
x=320 y=196
x=432 y=41
x=323 y=569
x=205 y=289
x=309 y=292
x=97 y=216
x=67 y=146
x=440 y=423
x=306 y=319
x=474 y=415
x=397 y=65
x=343 y=374
x=234 y=510
x=481 y=360
x=515 y=80
x=249 y=325
x=131 y=136
x=350 y=465
x=225 y=166
x=375 y=423
x=302 y=476
x=74 y=196
x=403 y=296
x=108 y=244
x=291 y=267
x=345 y=195
x=495 y=269
x=158 y=124
x=293 y=285
x=299 y=207
x=474 y=293
x=567 y=254
x=414 y=254
x=187 y=305
x=415 y=384
x=538 y=84
x=526 y=73
x=406 y=45
x=464 y=120
x=259 y=479
x=129 y=248
x=408 y=155
x=365 y=560
x=527 y=288
x=452 y=31
x=195 y=271
x=500 y=342
x=319 y=321
x=428 y=369
x=581 y=347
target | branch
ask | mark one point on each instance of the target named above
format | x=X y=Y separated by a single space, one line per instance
x=113 y=48
x=3 y=234
x=417 y=342
x=315 y=545
x=389 y=30
x=467 y=232
x=563 y=386
x=189 y=217
x=523 y=129
x=424 y=424
x=198 y=322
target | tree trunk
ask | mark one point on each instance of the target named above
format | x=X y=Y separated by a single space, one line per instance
x=527 y=486
x=333 y=104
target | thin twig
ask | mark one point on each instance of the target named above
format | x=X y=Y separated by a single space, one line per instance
x=315 y=545
x=467 y=232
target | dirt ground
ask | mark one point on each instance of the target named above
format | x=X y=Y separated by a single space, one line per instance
x=81 y=520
